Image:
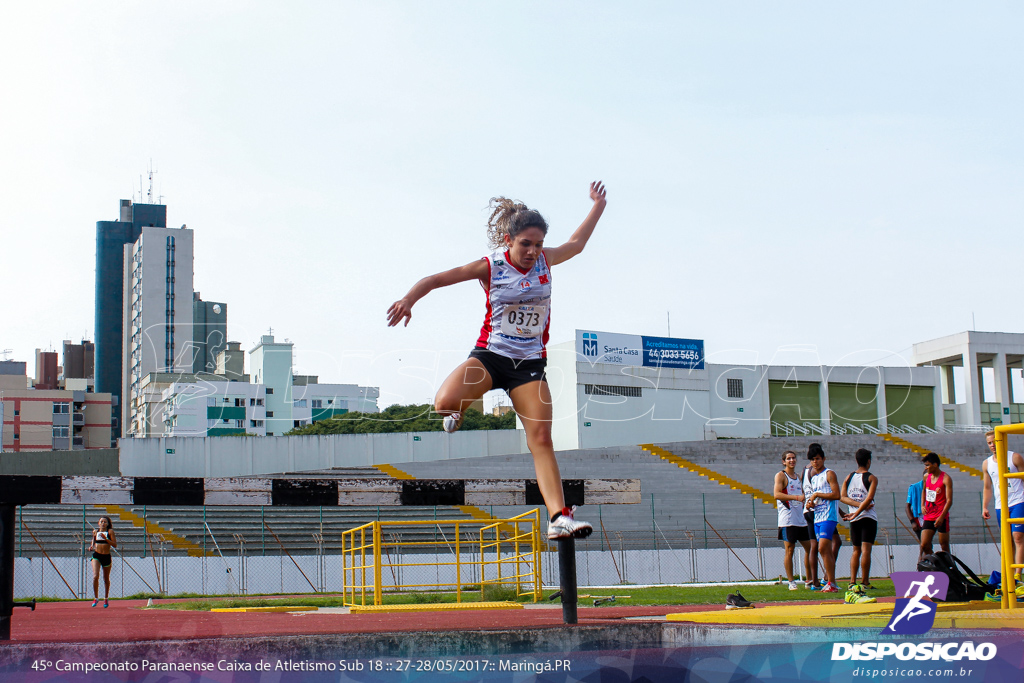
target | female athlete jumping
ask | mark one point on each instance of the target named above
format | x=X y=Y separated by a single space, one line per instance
x=510 y=353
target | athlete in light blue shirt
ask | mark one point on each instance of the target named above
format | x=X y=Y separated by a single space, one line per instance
x=914 y=511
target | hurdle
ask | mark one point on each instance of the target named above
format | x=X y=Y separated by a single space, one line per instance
x=293 y=491
x=1009 y=598
x=366 y=554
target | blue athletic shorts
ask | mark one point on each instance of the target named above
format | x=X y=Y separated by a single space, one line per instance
x=1016 y=512
x=825 y=529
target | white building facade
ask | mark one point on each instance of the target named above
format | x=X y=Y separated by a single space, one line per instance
x=214 y=409
x=313 y=402
x=612 y=389
x=985 y=404
x=274 y=403
x=239 y=408
x=158 y=297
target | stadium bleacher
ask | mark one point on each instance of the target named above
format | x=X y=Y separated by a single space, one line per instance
x=679 y=508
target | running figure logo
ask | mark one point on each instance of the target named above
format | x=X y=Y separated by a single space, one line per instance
x=912 y=614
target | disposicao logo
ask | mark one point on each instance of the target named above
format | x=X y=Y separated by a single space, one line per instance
x=912 y=615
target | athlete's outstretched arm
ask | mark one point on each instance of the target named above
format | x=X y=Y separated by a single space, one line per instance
x=477 y=270
x=563 y=253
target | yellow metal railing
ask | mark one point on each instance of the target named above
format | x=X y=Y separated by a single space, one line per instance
x=922 y=451
x=1009 y=600
x=711 y=475
x=491 y=552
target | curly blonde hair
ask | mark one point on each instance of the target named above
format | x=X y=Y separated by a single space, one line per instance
x=509 y=217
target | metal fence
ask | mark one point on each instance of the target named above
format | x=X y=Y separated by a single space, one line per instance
x=221 y=551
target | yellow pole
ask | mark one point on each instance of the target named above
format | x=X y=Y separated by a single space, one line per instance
x=344 y=571
x=482 y=559
x=497 y=556
x=362 y=564
x=518 y=565
x=458 y=566
x=378 y=598
x=537 y=587
x=1009 y=599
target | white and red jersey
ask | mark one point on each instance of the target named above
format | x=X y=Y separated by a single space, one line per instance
x=518 y=308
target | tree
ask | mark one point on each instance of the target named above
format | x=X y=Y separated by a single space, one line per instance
x=399 y=418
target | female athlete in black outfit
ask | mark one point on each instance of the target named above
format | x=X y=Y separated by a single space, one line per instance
x=103 y=540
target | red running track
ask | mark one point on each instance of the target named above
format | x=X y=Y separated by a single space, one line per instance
x=127 y=621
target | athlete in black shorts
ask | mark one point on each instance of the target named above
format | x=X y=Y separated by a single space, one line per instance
x=859 y=493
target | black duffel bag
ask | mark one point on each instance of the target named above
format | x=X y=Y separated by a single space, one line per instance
x=962 y=587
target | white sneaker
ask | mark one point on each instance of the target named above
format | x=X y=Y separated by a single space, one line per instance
x=452 y=422
x=565 y=526
x=793 y=586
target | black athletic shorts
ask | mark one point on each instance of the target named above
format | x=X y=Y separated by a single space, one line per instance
x=863 y=531
x=508 y=373
x=102 y=558
x=793 y=534
x=941 y=528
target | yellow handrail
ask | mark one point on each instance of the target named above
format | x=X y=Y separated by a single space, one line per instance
x=921 y=450
x=1009 y=598
x=501 y=544
x=721 y=479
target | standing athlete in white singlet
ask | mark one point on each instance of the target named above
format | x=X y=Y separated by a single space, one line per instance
x=510 y=351
x=1015 y=500
x=789 y=501
x=823 y=501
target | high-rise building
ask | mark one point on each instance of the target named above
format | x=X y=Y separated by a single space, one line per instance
x=111 y=236
x=157 y=319
x=79 y=360
x=44 y=418
x=46 y=370
x=209 y=333
x=270 y=364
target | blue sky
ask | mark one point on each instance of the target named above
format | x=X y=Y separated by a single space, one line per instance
x=779 y=174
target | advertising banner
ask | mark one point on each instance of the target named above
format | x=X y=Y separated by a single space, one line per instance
x=634 y=349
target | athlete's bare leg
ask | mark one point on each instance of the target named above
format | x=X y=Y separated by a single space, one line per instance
x=812 y=562
x=865 y=562
x=807 y=559
x=106 y=582
x=787 y=558
x=467 y=383
x=828 y=559
x=926 y=542
x=855 y=563
x=1018 y=543
x=532 y=403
